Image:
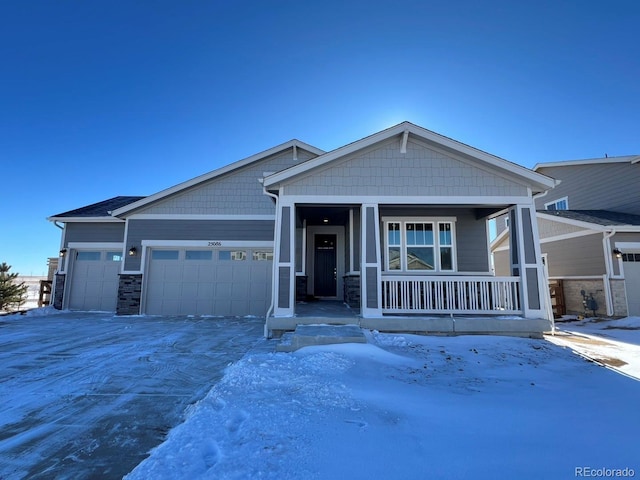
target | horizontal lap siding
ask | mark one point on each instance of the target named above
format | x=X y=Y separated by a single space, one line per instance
x=241 y=230
x=575 y=256
x=94 y=232
x=604 y=186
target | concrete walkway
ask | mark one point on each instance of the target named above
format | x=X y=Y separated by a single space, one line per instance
x=88 y=395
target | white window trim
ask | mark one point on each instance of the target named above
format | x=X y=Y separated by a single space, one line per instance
x=554 y=202
x=436 y=221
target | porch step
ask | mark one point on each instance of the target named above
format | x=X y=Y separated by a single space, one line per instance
x=308 y=335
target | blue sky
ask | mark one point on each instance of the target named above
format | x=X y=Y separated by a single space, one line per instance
x=100 y=99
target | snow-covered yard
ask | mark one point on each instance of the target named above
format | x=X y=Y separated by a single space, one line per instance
x=406 y=406
x=82 y=394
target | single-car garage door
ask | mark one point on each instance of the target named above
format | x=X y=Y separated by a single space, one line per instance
x=631 y=265
x=94 y=280
x=233 y=281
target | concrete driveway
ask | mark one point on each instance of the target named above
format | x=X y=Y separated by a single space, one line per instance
x=87 y=395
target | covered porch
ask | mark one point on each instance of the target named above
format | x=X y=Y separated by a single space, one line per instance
x=404 y=268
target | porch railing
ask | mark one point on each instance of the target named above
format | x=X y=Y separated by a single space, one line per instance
x=464 y=294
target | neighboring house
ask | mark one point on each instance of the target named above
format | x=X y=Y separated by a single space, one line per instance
x=397 y=220
x=589 y=228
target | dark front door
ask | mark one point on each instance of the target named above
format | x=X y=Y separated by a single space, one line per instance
x=324 y=277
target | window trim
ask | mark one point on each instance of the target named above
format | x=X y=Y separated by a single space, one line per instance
x=436 y=222
x=555 y=202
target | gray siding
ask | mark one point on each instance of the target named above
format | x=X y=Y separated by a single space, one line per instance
x=533 y=292
x=550 y=228
x=608 y=186
x=237 y=192
x=471 y=234
x=94 y=232
x=285 y=235
x=383 y=170
x=575 y=256
x=371 y=277
x=501 y=263
x=257 y=230
x=284 y=276
x=356 y=240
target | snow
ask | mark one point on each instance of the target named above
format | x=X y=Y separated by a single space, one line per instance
x=614 y=343
x=406 y=406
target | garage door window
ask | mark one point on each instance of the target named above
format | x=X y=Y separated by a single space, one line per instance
x=631 y=257
x=164 y=255
x=232 y=255
x=114 y=256
x=198 y=255
x=89 y=256
x=261 y=256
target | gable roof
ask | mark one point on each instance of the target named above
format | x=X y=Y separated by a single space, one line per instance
x=604 y=218
x=542 y=182
x=589 y=161
x=216 y=173
x=100 y=211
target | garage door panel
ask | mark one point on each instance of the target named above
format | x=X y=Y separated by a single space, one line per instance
x=224 y=282
x=632 y=282
x=94 y=281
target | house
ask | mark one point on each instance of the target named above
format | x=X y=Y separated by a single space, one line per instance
x=394 y=224
x=589 y=227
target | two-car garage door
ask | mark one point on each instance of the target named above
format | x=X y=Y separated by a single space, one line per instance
x=234 y=281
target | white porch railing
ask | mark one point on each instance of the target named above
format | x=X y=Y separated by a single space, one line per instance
x=428 y=294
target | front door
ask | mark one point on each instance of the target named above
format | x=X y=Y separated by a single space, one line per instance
x=325 y=273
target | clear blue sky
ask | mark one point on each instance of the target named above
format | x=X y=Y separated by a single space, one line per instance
x=99 y=99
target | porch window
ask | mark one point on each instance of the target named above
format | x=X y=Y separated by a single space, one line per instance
x=420 y=245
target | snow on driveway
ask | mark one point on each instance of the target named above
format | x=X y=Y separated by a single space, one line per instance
x=408 y=407
x=87 y=395
x=614 y=343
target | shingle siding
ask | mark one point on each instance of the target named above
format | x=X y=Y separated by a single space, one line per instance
x=549 y=228
x=237 y=192
x=603 y=186
x=383 y=170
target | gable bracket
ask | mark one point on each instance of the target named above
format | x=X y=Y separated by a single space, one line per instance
x=405 y=137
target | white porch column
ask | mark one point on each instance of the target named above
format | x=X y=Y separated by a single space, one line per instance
x=526 y=261
x=284 y=260
x=370 y=263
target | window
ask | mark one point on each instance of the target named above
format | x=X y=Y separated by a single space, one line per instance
x=232 y=255
x=418 y=245
x=88 y=256
x=631 y=257
x=259 y=255
x=198 y=255
x=560 y=204
x=114 y=256
x=164 y=254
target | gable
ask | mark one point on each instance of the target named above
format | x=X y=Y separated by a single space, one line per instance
x=238 y=192
x=548 y=228
x=382 y=169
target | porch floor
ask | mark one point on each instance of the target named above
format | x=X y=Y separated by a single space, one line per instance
x=325 y=309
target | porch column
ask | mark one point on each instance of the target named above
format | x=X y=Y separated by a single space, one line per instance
x=526 y=261
x=284 y=260
x=370 y=271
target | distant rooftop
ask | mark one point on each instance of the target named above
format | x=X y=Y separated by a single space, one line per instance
x=598 y=217
x=100 y=209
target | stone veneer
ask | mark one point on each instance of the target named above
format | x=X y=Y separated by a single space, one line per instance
x=129 y=294
x=352 y=290
x=58 y=290
x=619 y=296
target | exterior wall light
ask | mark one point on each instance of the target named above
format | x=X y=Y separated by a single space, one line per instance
x=617 y=252
x=133 y=251
x=63 y=253
x=325 y=220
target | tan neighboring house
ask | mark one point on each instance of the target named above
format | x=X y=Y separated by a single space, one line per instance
x=589 y=228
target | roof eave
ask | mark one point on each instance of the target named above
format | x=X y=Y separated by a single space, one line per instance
x=102 y=219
